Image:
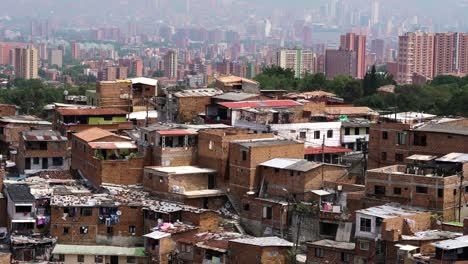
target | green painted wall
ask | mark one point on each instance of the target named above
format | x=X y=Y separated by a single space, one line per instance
x=100 y=120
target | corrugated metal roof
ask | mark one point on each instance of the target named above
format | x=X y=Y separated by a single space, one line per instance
x=198 y=92
x=260 y=104
x=386 y=211
x=333 y=244
x=235 y=96
x=43 y=135
x=454 y=157
x=112 y=145
x=264 y=242
x=157 y=235
x=421 y=157
x=291 y=164
x=144 y=80
x=320 y=192
x=459 y=242
x=442 y=128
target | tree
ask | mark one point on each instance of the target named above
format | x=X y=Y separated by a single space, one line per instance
x=370 y=83
x=352 y=91
x=159 y=73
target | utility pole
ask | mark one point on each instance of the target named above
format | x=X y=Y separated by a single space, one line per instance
x=460 y=195
x=323 y=156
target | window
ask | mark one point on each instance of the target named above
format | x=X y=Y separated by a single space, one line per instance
x=345 y=257
x=367 y=131
x=330 y=133
x=66 y=230
x=98 y=259
x=440 y=193
x=401 y=138
x=397 y=191
x=60 y=257
x=384 y=156
x=267 y=212
x=384 y=134
x=131 y=259
x=210 y=145
x=319 y=252
x=80 y=258
x=421 y=189
x=23 y=209
x=399 y=157
x=86 y=211
x=244 y=155
x=365 y=225
x=356 y=131
x=364 y=245
x=84 y=230
x=277 y=170
x=35 y=160
x=246 y=207
x=291 y=173
x=57 y=161
x=316 y=134
x=302 y=135
x=379 y=190
x=108 y=118
x=110 y=230
x=347 y=131
x=132 y=229
x=420 y=140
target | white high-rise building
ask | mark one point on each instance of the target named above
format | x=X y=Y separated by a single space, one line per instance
x=375 y=12
x=299 y=60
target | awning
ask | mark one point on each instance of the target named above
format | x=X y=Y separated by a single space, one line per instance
x=320 y=192
x=157 y=235
x=326 y=150
x=112 y=145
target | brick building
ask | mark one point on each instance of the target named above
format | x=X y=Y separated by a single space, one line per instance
x=378 y=229
x=129 y=95
x=390 y=143
x=330 y=251
x=206 y=247
x=8 y=110
x=259 y=250
x=261 y=112
x=186 y=105
x=104 y=157
x=214 y=146
x=42 y=150
x=187 y=184
x=425 y=182
x=238 y=84
x=245 y=156
x=12 y=126
x=69 y=120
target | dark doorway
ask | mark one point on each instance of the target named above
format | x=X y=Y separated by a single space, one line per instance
x=114 y=260
x=45 y=163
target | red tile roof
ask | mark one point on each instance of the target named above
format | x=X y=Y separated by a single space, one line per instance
x=260 y=104
x=90 y=112
x=327 y=150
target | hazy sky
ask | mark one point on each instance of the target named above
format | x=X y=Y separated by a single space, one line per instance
x=102 y=11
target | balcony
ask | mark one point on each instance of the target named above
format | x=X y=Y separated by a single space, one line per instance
x=353 y=138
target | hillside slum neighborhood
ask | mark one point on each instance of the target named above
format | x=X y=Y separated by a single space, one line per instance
x=230 y=175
